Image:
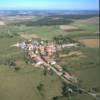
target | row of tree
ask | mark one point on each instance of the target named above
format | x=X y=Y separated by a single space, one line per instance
x=62 y=39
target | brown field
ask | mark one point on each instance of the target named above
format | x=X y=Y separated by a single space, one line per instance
x=90 y=42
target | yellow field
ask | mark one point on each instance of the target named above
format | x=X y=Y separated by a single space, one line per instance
x=90 y=42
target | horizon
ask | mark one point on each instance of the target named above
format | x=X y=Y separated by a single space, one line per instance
x=48 y=10
x=49 y=5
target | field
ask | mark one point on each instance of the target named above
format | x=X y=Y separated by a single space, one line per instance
x=22 y=84
x=90 y=42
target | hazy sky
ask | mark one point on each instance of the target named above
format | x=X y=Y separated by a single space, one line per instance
x=50 y=4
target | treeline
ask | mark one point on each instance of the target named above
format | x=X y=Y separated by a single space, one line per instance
x=63 y=39
x=44 y=21
x=74 y=16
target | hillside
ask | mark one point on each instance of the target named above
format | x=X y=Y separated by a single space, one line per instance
x=20 y=81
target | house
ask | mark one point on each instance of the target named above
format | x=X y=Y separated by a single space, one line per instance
x=42 y=50
x=48 y=60
x=32 y=54
x=35 y=43
x=37 y=60
x=67 y=76
x=50 y=49
x=58 y=67
x=30 y=47
x=70 y=77
x=21 y=45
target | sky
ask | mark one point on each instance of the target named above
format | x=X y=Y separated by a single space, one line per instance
x=49 y=4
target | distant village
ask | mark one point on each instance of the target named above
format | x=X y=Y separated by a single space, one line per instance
x=41 y=53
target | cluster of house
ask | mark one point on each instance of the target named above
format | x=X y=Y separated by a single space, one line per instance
x=40 y=52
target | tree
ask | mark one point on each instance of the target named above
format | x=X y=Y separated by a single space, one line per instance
x=55 y=98
x=45 y=72
x=17 y=68
x=65 y=90
x=11 y=61
x=40 y=87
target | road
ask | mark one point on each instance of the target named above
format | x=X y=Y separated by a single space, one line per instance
x=94 y=95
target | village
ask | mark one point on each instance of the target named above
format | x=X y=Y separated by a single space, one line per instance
x=41 y=53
